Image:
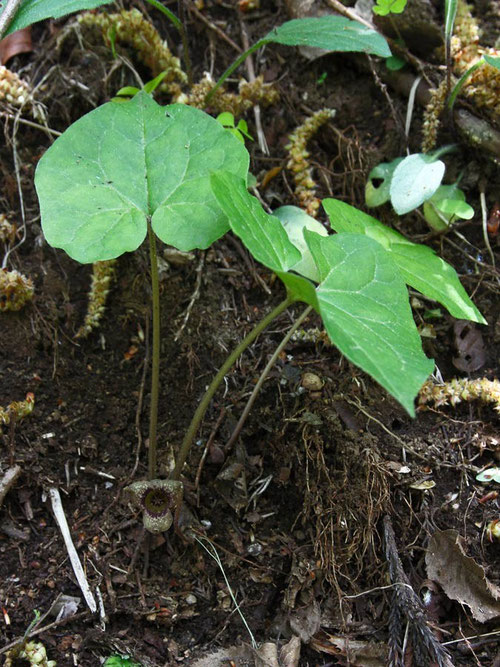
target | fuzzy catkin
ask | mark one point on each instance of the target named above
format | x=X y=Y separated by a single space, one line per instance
x=457 y=390
x=483 y=86
x=298 y=161
x=15 y=290
x=250 y=94
x=17 y=93
x=102 y=276
x=432 y=114
x=130 y=27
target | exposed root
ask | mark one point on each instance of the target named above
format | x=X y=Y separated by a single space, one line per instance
x=344 y=501
x=298 y=162
x=102 y=276
x=455 y=391
x=15 y=290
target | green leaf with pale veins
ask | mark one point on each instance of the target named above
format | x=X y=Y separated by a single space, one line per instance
x=98 y=183
x=364 y=304
x=32 y=11
x=262 y=234
x=362 y=296
x=332 y=33
x=419 y=265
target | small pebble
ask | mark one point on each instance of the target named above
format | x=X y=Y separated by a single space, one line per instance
x=312 y=382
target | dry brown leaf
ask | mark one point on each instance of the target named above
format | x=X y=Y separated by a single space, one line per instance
x=461 y=578
x=469 y=345
x=358 y=653
x=16 y=42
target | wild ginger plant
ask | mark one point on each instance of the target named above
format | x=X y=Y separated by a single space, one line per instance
x=132 y=169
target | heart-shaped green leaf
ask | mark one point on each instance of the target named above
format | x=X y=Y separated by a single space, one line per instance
x=364 y=304
x=332 y=33
x=32 y=11
x=419 y=265
x=127 y=161
x=415 y=179
x=362 y=297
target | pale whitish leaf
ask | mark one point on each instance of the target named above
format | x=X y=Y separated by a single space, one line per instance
x=98 y=183
x=364 y=304
x=419 y=265
x=377 y=193
x=295 y=220
x=332 y=33
x=32 y=11
x=414 y=181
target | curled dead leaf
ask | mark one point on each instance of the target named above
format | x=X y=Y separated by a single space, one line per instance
x=461 y=578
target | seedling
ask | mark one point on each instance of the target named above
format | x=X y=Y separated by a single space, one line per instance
x=385 y=7
x=240 y=131
x=105 y=185
x=446 y=205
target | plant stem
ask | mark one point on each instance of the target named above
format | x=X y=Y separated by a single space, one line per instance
x=155 y=356
x=205 y=401
x=182 y=32
x=262 y=379
x=459 y=85
x=241 y=58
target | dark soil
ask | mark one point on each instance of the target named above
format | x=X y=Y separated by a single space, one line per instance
x=296 y=509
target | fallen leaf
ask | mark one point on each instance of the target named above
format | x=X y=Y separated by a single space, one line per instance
x=461 y=578
x=469 y=346
x=16 y=42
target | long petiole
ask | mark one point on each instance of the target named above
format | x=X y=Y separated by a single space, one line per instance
x=155 y=356
x=182 y=32
x=262 y=379
x=214 y=385
x=241 y=58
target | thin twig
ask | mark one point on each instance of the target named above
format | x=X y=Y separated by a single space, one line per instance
x=261 y=137
x=195 y=295
x=8 y=481
x=213 y=27
x=60 y=517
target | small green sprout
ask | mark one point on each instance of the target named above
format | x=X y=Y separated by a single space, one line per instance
x=240 y=131
x=446 y=205
x=385 y=7
x=120 y=661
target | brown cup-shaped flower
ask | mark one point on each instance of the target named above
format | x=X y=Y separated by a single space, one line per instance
x=157 y=498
